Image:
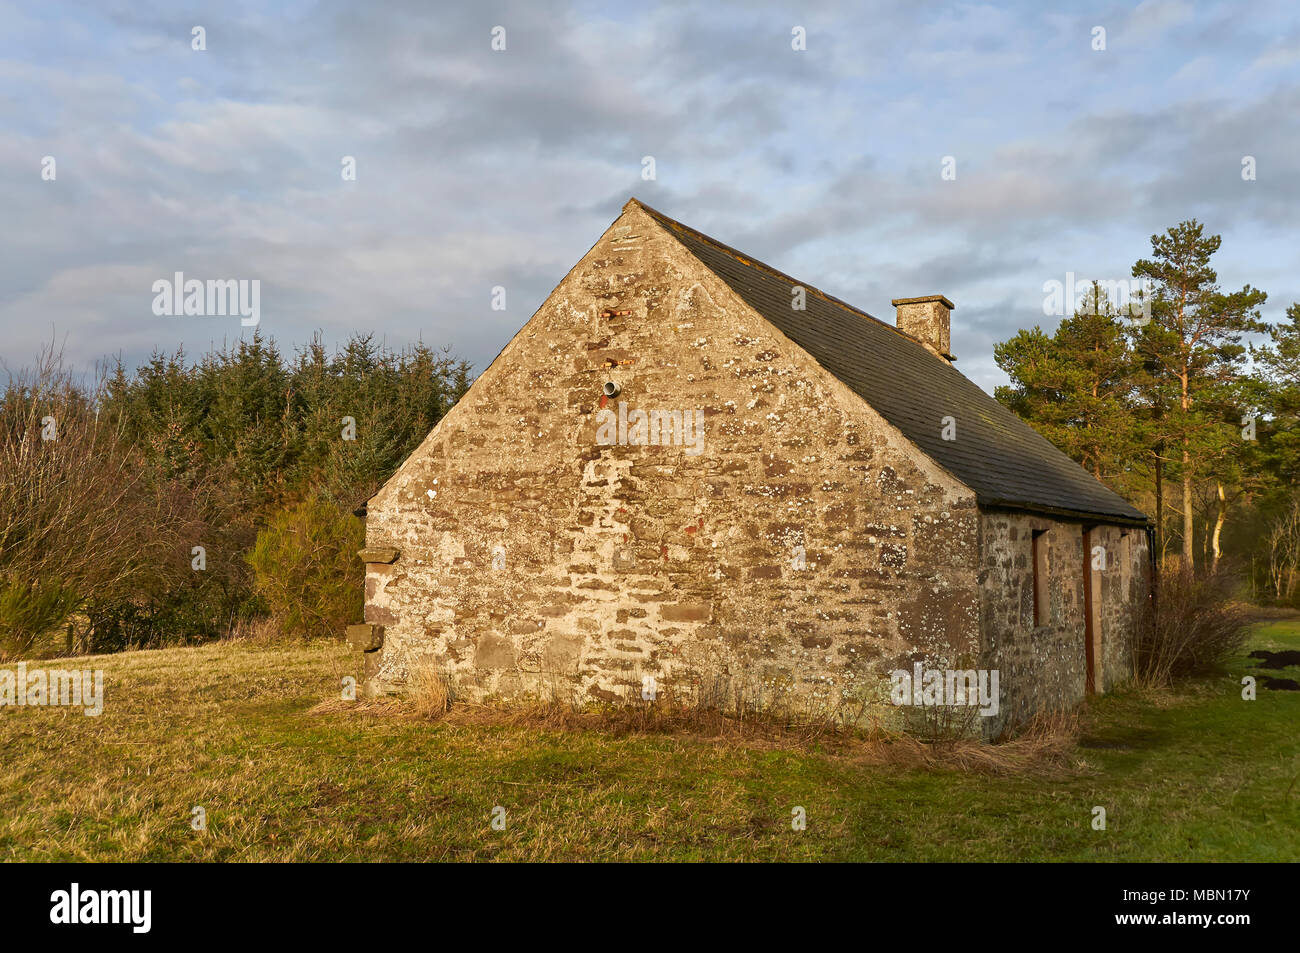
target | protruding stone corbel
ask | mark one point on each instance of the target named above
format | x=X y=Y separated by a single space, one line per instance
x=379 y=554
x=366 y=637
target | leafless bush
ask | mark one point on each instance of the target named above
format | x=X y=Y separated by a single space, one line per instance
x=1284 y=552
x=78 y=518
x=941 y=723
x=1195 y=626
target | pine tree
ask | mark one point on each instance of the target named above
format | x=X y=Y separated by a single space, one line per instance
x=1279 y=396
x=1193 y=343
x=1076 y=388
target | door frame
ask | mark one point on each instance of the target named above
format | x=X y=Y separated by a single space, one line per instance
x=1090 y=635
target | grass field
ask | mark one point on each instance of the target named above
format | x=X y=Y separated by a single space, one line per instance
x=1196 y=775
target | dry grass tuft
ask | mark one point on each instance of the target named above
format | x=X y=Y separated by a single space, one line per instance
x=1267 y=613
x=391 y=708
x=430 y=690
x=262 y=632
x=1045 y=746
x=429 y=699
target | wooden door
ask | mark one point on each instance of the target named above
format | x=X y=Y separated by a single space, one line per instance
x=1090 y=656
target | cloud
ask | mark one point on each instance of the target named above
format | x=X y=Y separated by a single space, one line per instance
x=1152 y=18
x=477 y=168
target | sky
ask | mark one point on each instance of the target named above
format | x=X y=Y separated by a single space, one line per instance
x=478 y=168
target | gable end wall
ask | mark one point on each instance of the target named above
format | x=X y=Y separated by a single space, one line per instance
x=617 y=562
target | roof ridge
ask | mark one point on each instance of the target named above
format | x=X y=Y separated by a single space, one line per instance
x=1004 y=460
x=752 y=262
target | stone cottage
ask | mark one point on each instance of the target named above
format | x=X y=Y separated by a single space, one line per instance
x=689 y=473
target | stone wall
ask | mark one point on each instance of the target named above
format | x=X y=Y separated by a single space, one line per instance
x=793 y=556
x=1043 y=667
x=802 y=553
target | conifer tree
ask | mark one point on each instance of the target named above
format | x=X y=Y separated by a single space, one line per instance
x=1194 y=345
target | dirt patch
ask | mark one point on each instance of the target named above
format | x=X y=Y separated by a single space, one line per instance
x=328 y=794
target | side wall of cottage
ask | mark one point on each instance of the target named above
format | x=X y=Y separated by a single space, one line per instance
x=805 y=550
x=1043 y=667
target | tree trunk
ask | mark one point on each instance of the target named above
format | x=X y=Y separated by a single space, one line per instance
x=1219 y=520
x=1189 y=554
x=1160 y=506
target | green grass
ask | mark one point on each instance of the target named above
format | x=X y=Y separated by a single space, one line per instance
x=1195 y=775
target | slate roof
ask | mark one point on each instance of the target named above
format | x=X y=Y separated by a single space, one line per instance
x=1001 y=458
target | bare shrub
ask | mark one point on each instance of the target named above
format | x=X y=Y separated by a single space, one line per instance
x=940 y=723
x=79 y=518
x=1284 y=552
x=1195 y=626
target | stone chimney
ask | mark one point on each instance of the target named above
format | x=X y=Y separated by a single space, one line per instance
x=929 y=320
